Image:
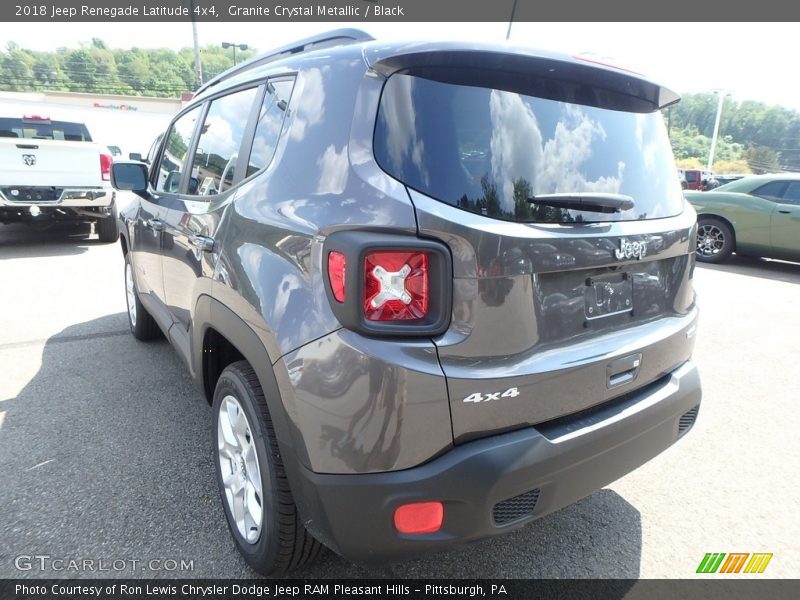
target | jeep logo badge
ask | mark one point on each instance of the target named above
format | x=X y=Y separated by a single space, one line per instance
x=29 y=159
x=631 y=250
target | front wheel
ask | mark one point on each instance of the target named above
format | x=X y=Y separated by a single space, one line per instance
x=255 y=493
x=714 y=240
x=143 y=325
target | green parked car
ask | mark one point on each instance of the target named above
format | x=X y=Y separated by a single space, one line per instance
x=753 y=216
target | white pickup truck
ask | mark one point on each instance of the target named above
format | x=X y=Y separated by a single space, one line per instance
x=52 y=171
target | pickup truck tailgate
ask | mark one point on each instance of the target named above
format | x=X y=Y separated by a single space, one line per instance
x=63 y=164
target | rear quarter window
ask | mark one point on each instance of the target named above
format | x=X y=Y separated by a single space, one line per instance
x=44 y=129
x=488 y=151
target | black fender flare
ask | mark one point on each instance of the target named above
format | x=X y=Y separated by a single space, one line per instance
x=210 y=313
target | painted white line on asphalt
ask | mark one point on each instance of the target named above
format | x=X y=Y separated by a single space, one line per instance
x=41 y=464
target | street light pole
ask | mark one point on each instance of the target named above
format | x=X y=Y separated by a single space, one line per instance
x=241 y=47
x=716 y=129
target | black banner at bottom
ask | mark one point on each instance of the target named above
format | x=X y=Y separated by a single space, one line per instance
x=438 y=589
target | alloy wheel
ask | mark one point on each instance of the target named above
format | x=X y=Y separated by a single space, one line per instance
x=130 y=294
x=241 y=475
x=710 y=240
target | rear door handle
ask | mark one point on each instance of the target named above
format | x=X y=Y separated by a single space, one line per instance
x=155 y=224
x=785 y=212
x=202 y=242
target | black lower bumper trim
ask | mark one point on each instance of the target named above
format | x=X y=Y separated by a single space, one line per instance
x=353 y=514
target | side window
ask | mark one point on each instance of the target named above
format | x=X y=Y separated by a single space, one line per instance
x=151 y=154
x=270 y=123
x=771 y=191
x=214 y=164
x=175 y=154
x=792 y=193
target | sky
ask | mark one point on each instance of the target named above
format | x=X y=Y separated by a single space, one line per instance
x=743 y=59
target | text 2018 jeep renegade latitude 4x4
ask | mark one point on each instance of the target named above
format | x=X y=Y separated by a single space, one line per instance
x=434 y=291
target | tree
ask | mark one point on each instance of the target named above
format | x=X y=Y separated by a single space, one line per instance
x=761 y=159
x=16 y=70
x=81 y=68
x=522 y=192
x=731 y=166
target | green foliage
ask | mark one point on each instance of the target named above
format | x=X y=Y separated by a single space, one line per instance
x=690 y=163
x=762 y=159
x=96 y=68
x=688 y=143
x=731 y=166
x=747 y=130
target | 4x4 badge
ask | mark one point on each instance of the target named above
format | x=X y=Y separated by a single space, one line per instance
x=631 y=250
x=29 y=159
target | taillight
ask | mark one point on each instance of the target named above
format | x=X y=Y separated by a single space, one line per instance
x=336 y=273
x=105 y=167
x=396 y=286
x=383 y=284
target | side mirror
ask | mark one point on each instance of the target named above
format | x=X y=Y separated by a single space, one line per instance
x=129 y=176
x=136 y=156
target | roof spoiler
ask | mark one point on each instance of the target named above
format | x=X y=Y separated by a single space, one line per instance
x=505 y=70
x=337 y=37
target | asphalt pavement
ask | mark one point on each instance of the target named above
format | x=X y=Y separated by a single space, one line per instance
x=106 y=446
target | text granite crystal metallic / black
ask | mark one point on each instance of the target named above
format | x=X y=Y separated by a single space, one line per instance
x=433 y=291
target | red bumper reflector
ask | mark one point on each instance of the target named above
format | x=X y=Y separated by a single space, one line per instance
x=419 y=517
x=336 y=274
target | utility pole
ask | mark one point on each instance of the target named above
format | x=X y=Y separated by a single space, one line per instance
x=198 y=66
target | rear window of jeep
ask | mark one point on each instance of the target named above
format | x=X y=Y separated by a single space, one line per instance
x=489 y=151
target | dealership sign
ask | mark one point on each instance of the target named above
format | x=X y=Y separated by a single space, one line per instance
x=113 y=106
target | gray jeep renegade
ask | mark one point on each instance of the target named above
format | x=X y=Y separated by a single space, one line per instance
x=433 y=291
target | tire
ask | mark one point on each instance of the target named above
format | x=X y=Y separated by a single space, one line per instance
x=248 y=459
x=108 y=227
x=143 y=325
x=715 y=240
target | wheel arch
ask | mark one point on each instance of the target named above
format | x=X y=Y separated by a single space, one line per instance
x=124 y=236
x=220 y=337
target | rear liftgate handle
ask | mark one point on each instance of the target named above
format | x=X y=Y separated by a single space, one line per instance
x=623 y=370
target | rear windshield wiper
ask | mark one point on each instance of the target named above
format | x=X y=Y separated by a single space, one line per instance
x=589 y=201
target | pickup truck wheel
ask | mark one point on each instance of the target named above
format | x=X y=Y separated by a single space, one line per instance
x=255 y=493
x=143 y=326
x=108 y=228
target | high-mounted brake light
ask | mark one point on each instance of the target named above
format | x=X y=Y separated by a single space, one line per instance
x=396 y=286
x=105 y=166
x=35 y=118
x=336 y=273
x=603 y=62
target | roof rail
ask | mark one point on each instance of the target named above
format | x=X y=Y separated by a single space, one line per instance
x=337 y=37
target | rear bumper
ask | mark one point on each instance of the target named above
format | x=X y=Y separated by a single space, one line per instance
x=564 y=460
x=68 y=198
